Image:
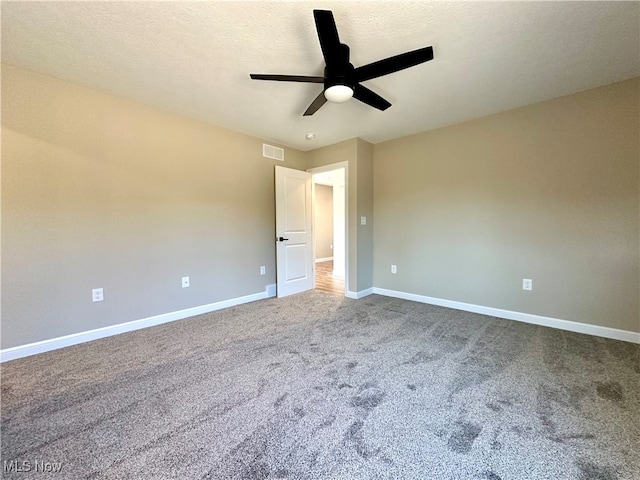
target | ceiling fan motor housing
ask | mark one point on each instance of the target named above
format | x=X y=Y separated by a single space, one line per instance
x=342 y=76
x=340 y=72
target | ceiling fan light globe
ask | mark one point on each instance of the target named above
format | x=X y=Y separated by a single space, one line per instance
x=338 y=93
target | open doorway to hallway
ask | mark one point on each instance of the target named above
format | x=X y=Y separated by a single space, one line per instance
x=330 y=229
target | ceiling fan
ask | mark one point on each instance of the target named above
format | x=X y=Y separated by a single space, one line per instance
x=341 y=80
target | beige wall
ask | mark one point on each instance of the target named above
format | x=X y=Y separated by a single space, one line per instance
x=323 y=221
x=548 y=192
x=98 y=191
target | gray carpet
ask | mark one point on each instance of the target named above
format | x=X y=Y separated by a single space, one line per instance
x=316 y=386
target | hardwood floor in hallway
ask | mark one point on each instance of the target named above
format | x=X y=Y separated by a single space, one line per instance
x=325 y=281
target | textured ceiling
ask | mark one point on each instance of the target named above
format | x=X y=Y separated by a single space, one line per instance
x=194 y=58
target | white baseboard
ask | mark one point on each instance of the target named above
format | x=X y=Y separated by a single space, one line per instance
x=569 y=325
x=270 y=291
x=323 y=259
x=82 y=337
x=360 y=294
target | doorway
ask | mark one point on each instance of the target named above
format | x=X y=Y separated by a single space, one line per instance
x=329 y=194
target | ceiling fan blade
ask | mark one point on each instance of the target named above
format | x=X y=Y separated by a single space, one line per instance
x=316 y=104
x=287 y=78
x=370 y=98
x=393 y=64
x=328 y=35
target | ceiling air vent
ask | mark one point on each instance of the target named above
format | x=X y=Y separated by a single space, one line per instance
x=270 y=151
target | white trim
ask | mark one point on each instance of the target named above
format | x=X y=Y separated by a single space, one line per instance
x=323 y=259
x=81 y=337
x=599 y=331
x=270 y=291
x=327 y=168
x=360 y=294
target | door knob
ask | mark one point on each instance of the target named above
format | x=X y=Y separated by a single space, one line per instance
x=282 y=239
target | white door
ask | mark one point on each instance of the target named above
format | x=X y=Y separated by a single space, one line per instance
x=294 y=237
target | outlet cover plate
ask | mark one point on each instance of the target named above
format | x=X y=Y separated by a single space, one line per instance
x=97 y=295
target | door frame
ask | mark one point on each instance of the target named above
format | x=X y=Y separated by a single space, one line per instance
x=329 y=168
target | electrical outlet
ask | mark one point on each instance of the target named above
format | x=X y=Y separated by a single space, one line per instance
x=394 y=269
x=185 y=282
x=363 y=220
x=527 y=284
x=263 y=270
x=97 y=294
